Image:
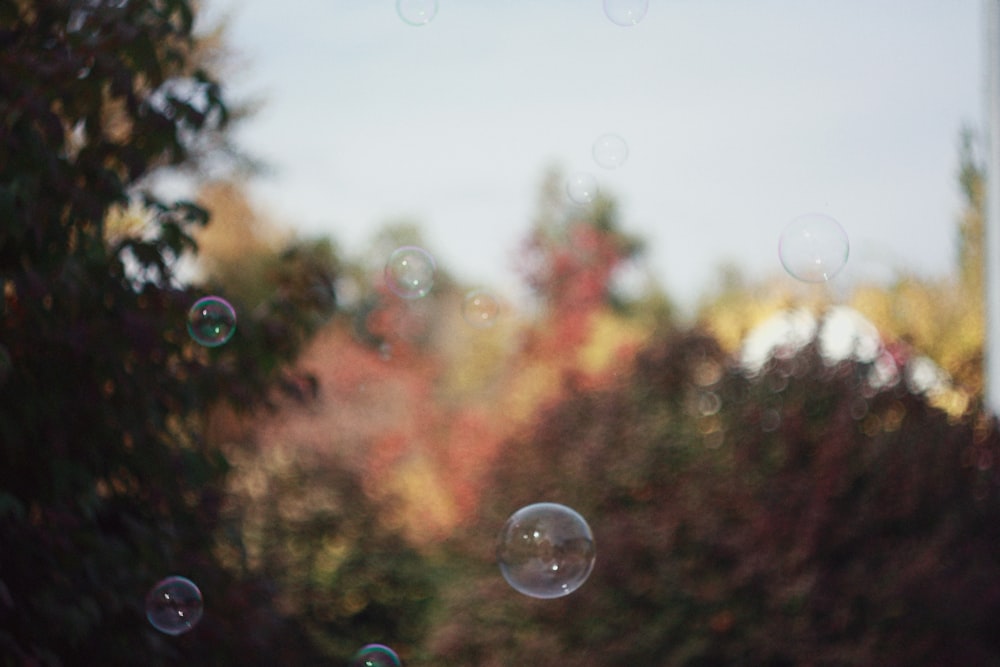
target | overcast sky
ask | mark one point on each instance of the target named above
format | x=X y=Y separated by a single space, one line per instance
x=738 y=114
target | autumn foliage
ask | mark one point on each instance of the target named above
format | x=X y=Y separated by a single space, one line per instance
x=337 y=474
x=799 y=516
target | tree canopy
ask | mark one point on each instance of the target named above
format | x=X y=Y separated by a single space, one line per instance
x=106 y=481
x=337 y=472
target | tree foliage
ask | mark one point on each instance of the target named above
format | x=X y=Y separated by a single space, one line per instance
x=944 y=318
x=106 y=482
x=808 y=514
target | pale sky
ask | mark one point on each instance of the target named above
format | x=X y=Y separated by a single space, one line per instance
x=739 y=115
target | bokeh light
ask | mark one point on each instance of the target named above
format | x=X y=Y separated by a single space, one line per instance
x=480 y=309
x=546 y=550
x=211 y=321
x=409 y=273
x=375 y=655
x=174 y=605
x=813 y=247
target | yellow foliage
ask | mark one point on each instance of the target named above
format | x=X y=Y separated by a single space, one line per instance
x=236 y=231
x=731 y=315
x=426 y=510
x=122 y=221
x=533 y=385
x=609 y=335
x=475 y=359
x=939 y=319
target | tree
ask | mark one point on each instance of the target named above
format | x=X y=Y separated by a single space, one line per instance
x=583 y=329
x=944 y=318
x=808 y=514
x=941 y=317
x=106 y=482
x=573 y=252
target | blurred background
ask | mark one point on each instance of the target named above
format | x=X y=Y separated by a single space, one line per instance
x=609 y=311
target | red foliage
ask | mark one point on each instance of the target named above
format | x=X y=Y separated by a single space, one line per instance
x=724 y=537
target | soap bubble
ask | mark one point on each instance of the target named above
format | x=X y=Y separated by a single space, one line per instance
x=582 y=188
x=417 y=12
x=211 y=321
x=813 y=247
x=545 y=550
x=480 y=309
x=174 y=605
x=410 y=272
x=625 y=13
x=375 y=655
x=610 y=151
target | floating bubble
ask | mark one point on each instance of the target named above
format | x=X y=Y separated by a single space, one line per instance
x=410 y=272
x=375 y=655
x=211 y=321
x=813 y=247
x=625 y=13
x=582 y=188
x=417 y=12
x=174 y=605
x=610 y=151
x=545 y=550
x=480 y=309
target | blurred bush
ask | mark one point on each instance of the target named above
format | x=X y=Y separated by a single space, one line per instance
x=807 y=514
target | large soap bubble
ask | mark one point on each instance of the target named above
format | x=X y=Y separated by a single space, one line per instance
x=417 y=12
x=626 y=13
x=813 y=247
x=409 y=273
x=581 y=188
x=375 y=655
x=211 y=321
x=610 y=151
x=174 y=605
x=546 y=550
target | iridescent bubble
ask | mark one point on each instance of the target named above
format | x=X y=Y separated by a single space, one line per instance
x=480 y=309
x=211 y=321
x=582 y=188
x=813 y=247
x=410 y=272
x=626 y=13
x=417 y=12
x=174 y=605
x=610 y=151
x=375 y=655
x=545 y=550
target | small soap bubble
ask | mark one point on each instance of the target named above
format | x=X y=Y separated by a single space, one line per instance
x=813 y=248
x=417 y=12
x=545 y=550
x=211 y=321
x=581 y=188
x=610 y=151
x=375 y=655
x=480 y=309
x=174 y=605
x=410 y=272
x=625 y=13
